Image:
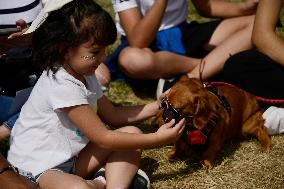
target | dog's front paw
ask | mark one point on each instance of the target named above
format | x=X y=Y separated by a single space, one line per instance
x=207 y=164
x=266 y=147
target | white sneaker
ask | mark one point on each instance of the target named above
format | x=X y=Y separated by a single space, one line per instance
x=140 y=181
x=164 y=85
x=160 y=87
x=274 y=120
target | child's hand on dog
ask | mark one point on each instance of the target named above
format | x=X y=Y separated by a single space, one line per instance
x=170 y=132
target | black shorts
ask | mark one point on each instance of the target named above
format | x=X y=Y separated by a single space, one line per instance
x=256 y=73
x=194 y=37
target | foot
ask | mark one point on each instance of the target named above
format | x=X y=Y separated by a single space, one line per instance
x=140 y=181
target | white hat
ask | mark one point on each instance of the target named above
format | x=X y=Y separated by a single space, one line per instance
x=50 y=6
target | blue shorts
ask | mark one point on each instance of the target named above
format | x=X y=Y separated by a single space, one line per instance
x=11 y=121
x=7 y=118
x=186 y=39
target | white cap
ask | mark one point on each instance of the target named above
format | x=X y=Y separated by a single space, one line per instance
x=50 y=6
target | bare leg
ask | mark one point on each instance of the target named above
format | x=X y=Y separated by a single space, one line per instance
x=121 y=166
x=231 y=36
x=4 y=132
x=58 y=180
x=145 y=64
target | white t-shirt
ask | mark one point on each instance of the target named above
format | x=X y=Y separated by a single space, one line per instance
x=13 y=10
x=176 y=11
x=43 y=136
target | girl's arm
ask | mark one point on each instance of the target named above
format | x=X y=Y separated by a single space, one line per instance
x=118 y=116
x=264 y=36
x=140 y=30
x=89 y=123
x=225 y=9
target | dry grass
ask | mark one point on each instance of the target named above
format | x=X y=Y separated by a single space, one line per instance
x=240 y=165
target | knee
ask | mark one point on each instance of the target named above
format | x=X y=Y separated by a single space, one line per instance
x=135 y=60
x=131 y=129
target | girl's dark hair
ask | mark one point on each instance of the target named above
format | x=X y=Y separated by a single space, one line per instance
x=75 y=23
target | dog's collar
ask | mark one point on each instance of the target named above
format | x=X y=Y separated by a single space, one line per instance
x=223 y=100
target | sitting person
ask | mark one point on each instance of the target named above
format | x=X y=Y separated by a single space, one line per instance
x=157 y=42
x=60 y=139
x=13 y=24
x=12 y=44
x=260 y=71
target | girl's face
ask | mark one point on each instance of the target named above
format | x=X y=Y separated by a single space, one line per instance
x=84 y=59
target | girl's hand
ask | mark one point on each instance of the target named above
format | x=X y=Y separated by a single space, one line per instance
x=169 y=133
x=249 y=7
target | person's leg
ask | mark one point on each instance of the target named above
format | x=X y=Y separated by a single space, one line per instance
x=6 y=127
x=230 y=37
x=121 y=166
x=146 y=64
x=4 y=132
x=256 y=73
x=53 y=179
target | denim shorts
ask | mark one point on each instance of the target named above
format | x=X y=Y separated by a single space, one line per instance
x=6 y=103
x=6 y=117
x=11 y=121
x=66 y=167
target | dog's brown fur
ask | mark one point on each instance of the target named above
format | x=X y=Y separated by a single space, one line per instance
x=190 y=97
x=12 y=180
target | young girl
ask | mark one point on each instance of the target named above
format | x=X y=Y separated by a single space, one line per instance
x=61 y=137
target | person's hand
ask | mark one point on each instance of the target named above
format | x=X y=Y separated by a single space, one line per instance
x=22 y=28
x=170 y=132
x=249 y=7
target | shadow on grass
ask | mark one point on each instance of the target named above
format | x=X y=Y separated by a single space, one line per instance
x=191 y=160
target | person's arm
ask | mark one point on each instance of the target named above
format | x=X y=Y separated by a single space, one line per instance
x=89 y=123
x=264 y=36
x=225 y=9
x=140 y=30
x=118 y=116
x=15 y=42
x=23 y=27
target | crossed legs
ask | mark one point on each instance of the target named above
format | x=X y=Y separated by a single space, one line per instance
x=120 y=166
x=231 y=36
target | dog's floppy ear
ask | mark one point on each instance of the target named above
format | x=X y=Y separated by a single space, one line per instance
x=199 y=104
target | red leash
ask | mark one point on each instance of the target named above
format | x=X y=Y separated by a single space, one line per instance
x=266 y=100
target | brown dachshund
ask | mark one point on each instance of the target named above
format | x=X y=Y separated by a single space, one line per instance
x=214 y=114
x=10 y=179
